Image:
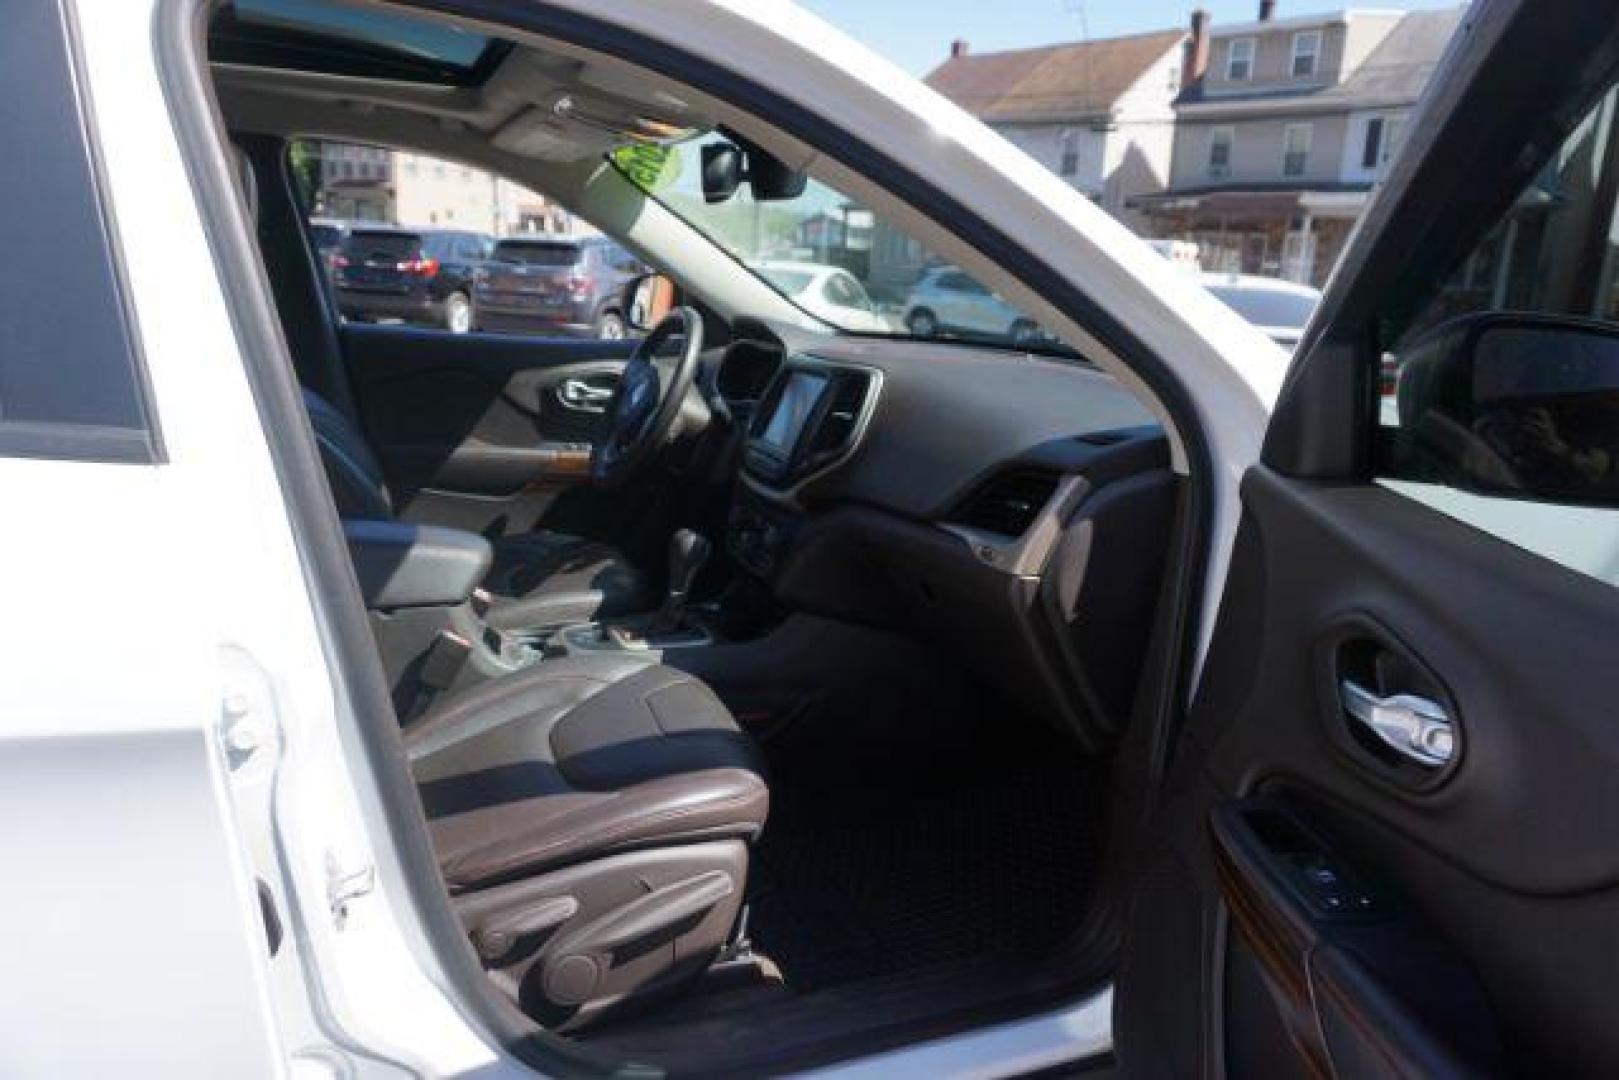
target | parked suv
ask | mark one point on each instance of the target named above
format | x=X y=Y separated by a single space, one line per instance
x=416 y=275
x=555 y=284
x=946 y=300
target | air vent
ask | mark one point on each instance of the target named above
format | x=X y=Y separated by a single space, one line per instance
x=837 y=427
x=1009 y=503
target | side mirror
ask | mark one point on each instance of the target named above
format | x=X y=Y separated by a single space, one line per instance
x=1513 y=404
x=647 y=299
x=727 y=164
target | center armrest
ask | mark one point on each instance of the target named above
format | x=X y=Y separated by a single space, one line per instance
x=401 y=566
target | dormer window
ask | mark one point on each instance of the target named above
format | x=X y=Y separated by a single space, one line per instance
x=1239 y=62
x=1306 y=53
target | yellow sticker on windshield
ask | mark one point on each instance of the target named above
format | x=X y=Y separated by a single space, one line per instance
x=649 y=166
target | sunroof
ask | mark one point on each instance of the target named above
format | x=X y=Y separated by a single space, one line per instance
x=311 y=35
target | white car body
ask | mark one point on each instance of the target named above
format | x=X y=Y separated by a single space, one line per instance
x=174 y=730
x=806 y=284
x=1279 y=309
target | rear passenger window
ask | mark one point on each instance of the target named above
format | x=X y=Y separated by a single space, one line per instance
x=1499 y=400
x=69 y=375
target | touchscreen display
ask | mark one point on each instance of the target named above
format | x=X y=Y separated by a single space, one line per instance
x=797 y=401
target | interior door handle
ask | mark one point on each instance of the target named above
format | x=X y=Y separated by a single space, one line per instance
x=579 y=394
x=1411 y=726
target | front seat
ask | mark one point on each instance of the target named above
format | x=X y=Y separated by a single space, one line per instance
x=591 y=817
x=538 y=581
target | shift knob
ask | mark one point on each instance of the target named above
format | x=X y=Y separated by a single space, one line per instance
x=688 y=551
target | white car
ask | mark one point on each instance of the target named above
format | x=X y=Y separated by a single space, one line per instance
x=1281 y=309
x=373 y=707
x=830 y=292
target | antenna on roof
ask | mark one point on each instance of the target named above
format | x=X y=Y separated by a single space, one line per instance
x=1077 y=7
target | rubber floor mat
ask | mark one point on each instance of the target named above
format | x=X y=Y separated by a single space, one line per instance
x=857 y=884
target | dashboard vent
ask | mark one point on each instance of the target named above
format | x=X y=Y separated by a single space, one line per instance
x=836 y=430
x=1009 y=503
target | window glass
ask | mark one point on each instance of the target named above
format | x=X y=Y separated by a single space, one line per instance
x=1372 y=151
x=69 y=381
x=535 y=253
x=1220 y=140
x=1240 y=60
x=1268 y=306
x=1306 y=53
x=897 y=286
x=1296 y=149
x=1499 y=390
x=551 y=276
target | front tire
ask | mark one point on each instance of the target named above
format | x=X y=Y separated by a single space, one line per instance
x=457 y=313
x=610 y=326
x=922 y=323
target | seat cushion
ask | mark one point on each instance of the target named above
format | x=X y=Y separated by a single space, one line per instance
x=545 y=580
x=577 y=758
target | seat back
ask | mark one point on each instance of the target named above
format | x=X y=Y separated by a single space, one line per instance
x=352 y=470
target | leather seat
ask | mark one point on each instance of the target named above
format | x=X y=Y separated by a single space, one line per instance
x=539 y=580
x=591 y=817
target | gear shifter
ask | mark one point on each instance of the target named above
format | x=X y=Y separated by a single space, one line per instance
x=688 y=551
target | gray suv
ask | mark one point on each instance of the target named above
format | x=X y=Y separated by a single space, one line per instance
x=554 y=285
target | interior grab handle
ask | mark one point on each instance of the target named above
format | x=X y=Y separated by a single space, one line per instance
x=579 y=394
x=1411 y=726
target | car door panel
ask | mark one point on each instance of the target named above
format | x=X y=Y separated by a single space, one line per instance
x=479 y=429
x=1486 y=895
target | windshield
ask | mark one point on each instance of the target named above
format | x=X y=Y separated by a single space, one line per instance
x=1267 y=307
x=888 y=288
x=789 y=282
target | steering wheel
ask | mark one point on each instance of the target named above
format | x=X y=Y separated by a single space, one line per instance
x=643 y=416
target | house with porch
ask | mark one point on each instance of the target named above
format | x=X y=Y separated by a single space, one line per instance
x=1097 y=113
x=1284 y=129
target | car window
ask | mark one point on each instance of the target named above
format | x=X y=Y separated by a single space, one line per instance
x=845 y=291
x=1267 y=307
x=1499 y=390
x=789 y=282
x=373 y=244
x=821 y=229
x=70 y=380
x=536 y=253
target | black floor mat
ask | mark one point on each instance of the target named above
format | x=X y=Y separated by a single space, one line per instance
x=853 y=883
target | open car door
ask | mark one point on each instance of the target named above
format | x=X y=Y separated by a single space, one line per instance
x=1386 y=841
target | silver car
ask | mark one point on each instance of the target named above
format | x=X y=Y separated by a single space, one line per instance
x=948 y=301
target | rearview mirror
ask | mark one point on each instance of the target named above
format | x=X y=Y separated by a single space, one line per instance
x=1514 y=404
x=727 y=164
x=647 y=300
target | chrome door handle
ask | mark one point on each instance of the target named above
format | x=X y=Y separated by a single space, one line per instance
x=579 y=394
x=1411 y=726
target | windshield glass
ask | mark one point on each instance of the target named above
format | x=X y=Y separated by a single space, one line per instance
x=895 y=289
x=790 y=282
x=1267 y=307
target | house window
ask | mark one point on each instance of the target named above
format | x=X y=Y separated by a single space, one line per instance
x=1296 y=149
x=1239 y=62
x=1382 y=140
x=1070 y=153
x=1220 y=140
x=1306 y=53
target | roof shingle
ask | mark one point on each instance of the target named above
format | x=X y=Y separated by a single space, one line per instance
x=1054 y=82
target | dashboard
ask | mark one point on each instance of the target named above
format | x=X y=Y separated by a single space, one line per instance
x=1013 y=509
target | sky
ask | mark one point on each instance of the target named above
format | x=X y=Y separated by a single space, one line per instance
x=917 y=34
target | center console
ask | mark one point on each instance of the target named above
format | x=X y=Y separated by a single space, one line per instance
x=809 y=421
